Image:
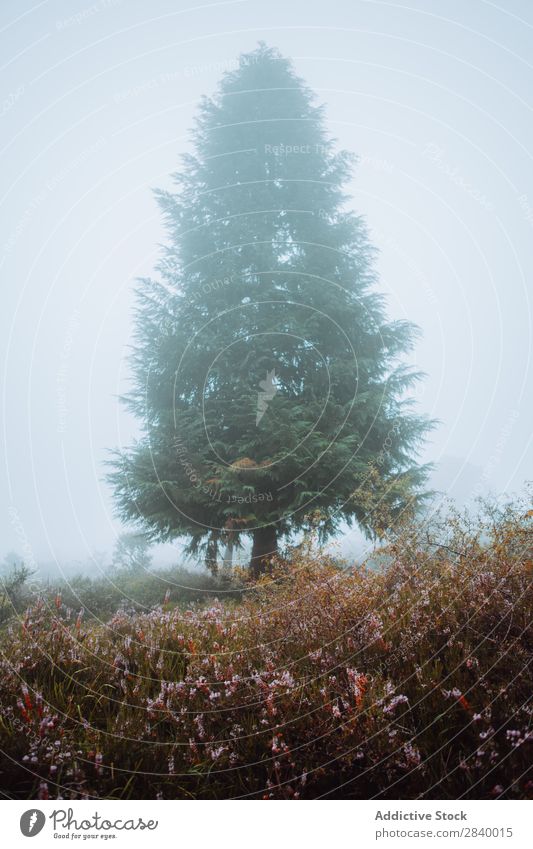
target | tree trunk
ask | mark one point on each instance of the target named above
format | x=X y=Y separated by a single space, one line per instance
x=211 y=556
x=227 y=560
x=265 y=546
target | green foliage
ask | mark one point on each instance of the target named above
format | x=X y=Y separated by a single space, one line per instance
x=137 y=591
x=14 y=594
x=99 y=598
x=267 y=377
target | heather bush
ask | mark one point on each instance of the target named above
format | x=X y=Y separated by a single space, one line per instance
x=404 y=682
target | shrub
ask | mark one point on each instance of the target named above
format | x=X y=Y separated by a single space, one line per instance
x=407 y=682
x=101 y=597
x=14 y=593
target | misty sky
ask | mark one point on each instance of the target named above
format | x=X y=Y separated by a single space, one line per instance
x=96 y=104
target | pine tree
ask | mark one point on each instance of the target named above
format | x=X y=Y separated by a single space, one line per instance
x=267 y=378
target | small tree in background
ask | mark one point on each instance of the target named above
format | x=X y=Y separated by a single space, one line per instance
x=11 y=560
x=267 y=376
x=131 y=553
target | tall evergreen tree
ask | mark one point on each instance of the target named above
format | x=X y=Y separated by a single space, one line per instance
x=267 y=377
